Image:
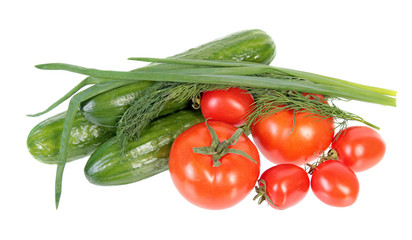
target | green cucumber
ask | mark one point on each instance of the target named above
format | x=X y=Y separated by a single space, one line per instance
x=43 y=141
x=250 y=45
x=107 y=108
x=144 y=157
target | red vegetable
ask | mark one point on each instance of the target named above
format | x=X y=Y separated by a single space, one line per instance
x=205 y=181
x=359 y=148
x=285 y=185
x=230 y=105
x=335 y=184
x=284 y=137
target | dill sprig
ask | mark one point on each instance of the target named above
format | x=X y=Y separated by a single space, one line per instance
x=152 y=102
x=268 y=102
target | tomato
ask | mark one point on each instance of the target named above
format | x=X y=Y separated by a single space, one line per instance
x=335 y=184
x=281 y=140
x=229 y=105
x=205 y=185
x=285 y=185
x=359 y=148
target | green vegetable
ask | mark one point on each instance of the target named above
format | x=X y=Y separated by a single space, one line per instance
x=43 y=141
x=108 y=107
x=144 y=157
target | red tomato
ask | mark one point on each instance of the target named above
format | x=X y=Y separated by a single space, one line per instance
x=231 y=105
x=202 y=184
x=335 y=184
x=310 y=137
x=359 y=148
x=286 y=185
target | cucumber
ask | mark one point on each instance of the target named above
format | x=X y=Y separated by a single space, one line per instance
x=144 y=157
x=43 y=141
x=250 y=45
x=107 y=108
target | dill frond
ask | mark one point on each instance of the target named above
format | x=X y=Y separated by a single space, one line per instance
x=151 y=104
x=268 y=102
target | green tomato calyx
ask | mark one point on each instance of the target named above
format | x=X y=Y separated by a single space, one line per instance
x=262 y=195
x=219 y=149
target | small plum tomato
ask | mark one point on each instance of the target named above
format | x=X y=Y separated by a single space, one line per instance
x=335 y=184
x=283 y=186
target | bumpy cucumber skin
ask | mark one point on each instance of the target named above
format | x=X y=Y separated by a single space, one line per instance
x=144 y=157
x=43 y=141
x=107 y=108
x=249 y=45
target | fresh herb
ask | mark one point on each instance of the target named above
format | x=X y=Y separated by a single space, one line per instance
x=268 y=102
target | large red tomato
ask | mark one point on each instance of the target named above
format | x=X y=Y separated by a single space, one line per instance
x=359 y=148
x=205 y=185
x=285 y=138
x=229 y=105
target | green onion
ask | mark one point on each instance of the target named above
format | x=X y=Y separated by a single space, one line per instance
x=305 y=75
x=67 y=128
x=272 y=82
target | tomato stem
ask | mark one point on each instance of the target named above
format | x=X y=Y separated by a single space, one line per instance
x=262 y=194
x=219 y=149
x=196 y=101
x=331 y=155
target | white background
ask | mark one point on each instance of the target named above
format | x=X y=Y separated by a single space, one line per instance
x=363 y=41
